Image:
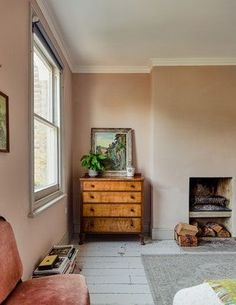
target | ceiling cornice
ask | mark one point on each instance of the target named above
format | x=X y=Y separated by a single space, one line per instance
x=157 y=62
x=193 y=61
x=112 y=69
x=55 y=31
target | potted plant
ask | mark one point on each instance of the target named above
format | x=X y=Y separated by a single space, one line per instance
x=94 y=163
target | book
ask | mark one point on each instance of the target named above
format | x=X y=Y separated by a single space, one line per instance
x=61 y=250
x=59 y=267
x=48 y=262
x=65 y=263
x=72 y=262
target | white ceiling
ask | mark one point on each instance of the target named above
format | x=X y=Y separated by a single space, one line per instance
x=128 y=33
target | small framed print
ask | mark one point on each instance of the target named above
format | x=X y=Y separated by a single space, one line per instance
x=116 y=145
x=4 y=123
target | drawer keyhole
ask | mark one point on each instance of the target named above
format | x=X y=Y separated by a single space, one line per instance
x=91 y=196
x=92 y=185
x=132 y=186
x=132 y=197
x=132 y=210
x=131 y=223
x=92 y=209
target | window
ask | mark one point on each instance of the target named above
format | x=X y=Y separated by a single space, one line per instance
x=46 y=120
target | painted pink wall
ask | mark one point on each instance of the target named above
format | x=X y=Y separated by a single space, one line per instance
x=194 y=132
x=112 y=100
x=34 y=235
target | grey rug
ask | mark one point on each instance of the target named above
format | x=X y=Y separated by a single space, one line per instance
x=224 y=245
x=169 y=273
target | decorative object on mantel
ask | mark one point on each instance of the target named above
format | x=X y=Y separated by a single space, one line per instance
x=130 y=171
x=4 y=123
x=94 y=163
x=116 y=145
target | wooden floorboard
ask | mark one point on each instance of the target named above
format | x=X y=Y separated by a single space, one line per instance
x=114 y=271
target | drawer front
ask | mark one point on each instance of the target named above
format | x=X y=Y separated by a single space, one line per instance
x=112 y=185
x=115 y=210
x=112 y=197
x=112 y=225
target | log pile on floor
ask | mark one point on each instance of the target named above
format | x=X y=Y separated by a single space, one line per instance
x=211 y=229
x=185 y=235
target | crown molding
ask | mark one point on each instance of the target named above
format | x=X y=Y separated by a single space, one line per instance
x=157 y=62
x=193 y=61
x=55 y=31
x=112 y=69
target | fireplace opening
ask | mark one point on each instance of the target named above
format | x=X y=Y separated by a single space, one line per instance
x=210 y=194
x=210 y=206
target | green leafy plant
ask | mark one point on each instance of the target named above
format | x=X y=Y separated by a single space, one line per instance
x=93 y=161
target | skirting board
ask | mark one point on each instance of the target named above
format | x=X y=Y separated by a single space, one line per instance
x=65 y=239
x=162 y=234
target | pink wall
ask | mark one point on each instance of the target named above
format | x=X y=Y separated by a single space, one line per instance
x=34 y=235
x=112 y=100
x=194 y=132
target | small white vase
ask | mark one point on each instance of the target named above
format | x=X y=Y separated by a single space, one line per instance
x=92 y=173
x=130 y=171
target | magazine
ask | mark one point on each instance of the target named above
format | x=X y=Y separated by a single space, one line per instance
x=62 y=250
x=72 y=262
x=58 y=268
x=65 y=264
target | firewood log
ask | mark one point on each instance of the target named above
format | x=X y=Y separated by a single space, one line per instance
x=223 y=233
x=187 y=241
x=215 y=226
x=186 y=229
x=208 y=232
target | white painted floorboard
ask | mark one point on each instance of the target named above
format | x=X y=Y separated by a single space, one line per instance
x=114 y=270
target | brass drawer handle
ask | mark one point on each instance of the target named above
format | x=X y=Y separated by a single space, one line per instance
x=132 y=197
x=91 y=196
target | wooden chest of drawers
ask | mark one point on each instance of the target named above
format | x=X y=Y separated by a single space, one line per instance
x=111 y=205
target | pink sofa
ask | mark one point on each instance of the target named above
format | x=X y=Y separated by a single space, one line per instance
x=51 y=290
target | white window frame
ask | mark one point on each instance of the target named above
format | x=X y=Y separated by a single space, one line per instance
x=43 y=199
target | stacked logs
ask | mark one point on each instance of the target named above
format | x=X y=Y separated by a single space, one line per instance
x=211 y=229
x=185 y=235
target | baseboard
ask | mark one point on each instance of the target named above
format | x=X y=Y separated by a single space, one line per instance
x=162 y=234
x=76 y=228
x=65 y=239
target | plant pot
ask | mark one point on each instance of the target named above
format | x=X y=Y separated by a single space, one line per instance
x=92 y=173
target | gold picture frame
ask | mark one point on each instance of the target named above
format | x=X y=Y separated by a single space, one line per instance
x=116 y=145
x=4 y=123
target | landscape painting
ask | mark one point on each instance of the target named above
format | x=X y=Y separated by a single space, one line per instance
x=115 y=144
x=4 y=133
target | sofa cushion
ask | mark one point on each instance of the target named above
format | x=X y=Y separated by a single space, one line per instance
x=10 y=263
x=51 y=290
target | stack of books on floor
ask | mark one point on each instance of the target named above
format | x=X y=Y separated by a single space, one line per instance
x=60 y=260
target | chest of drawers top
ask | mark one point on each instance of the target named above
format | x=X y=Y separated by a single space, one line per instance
x=133 y=184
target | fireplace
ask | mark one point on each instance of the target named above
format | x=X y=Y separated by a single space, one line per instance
x=210 y=205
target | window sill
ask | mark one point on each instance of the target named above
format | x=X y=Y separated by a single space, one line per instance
x=40 y=209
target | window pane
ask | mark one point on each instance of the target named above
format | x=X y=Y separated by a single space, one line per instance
x=45 y=155
x=42 y=87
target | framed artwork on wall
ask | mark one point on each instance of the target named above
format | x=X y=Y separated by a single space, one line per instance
x=116 y=145
x=4 y=123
